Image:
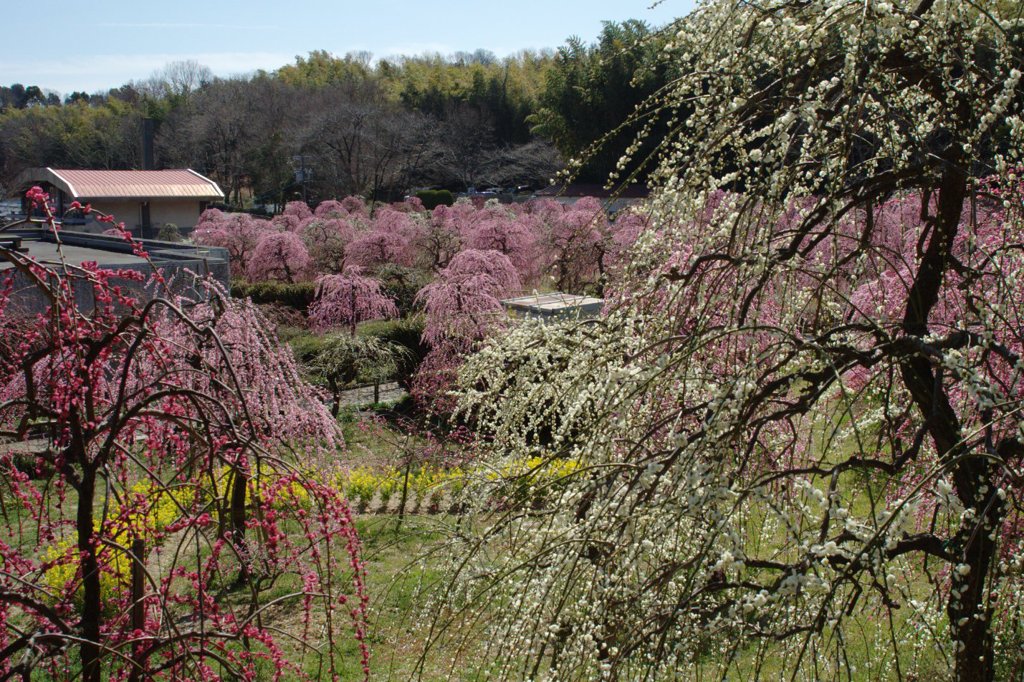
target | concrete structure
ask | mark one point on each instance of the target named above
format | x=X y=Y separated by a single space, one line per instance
x=112 y=253
x=143 y=200
x=555 y=306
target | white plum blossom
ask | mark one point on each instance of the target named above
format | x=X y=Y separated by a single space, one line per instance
x=800 y=411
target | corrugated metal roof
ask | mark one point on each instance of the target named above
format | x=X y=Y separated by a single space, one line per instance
x=117 y=184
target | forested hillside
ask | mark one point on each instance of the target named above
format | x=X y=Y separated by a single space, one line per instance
x=328 y=126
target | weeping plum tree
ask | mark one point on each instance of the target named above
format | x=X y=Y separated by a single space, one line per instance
x=237 y=232
x=326 y=240
x=463 y=302
x=461 y=306
x=798 y=432
x=436 y=241
x=156 y=524
x=377 y=247
x=280 y=256
x=577 y=244
x=344 y=359
x=510 y=234
x=348 y=299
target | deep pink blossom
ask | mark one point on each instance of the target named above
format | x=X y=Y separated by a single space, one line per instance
x=237 y=232
x=170 y=430
x=348 y=299
x=279 y=256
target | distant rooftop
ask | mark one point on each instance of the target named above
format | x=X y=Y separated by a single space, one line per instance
x=555 y=305
x=125 y=184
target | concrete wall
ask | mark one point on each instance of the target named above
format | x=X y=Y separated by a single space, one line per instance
x=173 y=259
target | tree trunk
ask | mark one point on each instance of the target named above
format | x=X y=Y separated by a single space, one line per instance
x=91 y=602
x=138 y=612
x=969 y=617
x=975 y=648
x=237 y=516
x=405 y=495
x=336 y=393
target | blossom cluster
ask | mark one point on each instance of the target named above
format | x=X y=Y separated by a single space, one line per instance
x=798 y=424
x=133 y=428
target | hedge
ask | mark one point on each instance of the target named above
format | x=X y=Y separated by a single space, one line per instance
x=298 y=295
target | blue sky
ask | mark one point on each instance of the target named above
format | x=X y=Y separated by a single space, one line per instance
x=97 y=45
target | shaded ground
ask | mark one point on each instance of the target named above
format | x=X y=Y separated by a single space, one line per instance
x=363 y=395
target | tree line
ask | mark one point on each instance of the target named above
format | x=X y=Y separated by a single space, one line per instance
x=328 y=126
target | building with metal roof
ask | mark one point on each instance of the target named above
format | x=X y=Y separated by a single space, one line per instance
x=144 y=200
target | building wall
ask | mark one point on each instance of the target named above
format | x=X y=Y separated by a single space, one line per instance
x=182 y=212
x=126 y=211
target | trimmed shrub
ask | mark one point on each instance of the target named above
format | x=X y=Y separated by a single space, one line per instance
x=432 y=198
x=169 y=232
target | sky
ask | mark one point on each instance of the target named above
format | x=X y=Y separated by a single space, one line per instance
x=103 y=44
